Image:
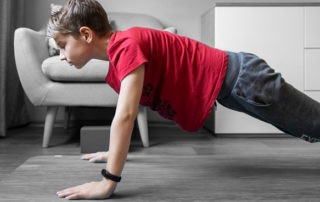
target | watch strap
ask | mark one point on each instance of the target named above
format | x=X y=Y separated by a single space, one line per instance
x=109 y=176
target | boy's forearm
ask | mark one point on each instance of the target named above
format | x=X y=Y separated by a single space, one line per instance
x=120 y=137
x=122 y=124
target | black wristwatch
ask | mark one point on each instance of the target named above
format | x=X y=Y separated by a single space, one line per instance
x=109 y=176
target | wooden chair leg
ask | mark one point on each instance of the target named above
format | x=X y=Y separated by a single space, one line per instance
x=143 y=126
x=48 y=125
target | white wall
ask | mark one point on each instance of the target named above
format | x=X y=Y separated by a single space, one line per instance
x=185 y=15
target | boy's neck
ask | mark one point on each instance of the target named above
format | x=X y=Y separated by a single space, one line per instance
x=100 y=46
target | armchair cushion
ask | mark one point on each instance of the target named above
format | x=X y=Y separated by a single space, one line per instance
x=57 y=70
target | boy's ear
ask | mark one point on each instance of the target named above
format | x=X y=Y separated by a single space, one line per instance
x=86 y=33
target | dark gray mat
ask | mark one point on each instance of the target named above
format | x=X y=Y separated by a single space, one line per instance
x=174 y=178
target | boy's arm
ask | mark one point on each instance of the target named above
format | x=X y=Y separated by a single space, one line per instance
x=123 y=121
x=120 y=136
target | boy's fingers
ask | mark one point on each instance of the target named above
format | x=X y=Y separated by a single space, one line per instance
x=74 y=196
x=65 y=193
x=68 y=191
x=92 y=160
x=87 y=156
x=96 y=159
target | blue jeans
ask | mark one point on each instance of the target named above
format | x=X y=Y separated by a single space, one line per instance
x=252 y=87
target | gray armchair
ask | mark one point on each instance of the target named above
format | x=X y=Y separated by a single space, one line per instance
x=52 y=83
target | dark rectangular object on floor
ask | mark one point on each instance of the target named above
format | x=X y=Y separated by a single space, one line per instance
x=94 y=138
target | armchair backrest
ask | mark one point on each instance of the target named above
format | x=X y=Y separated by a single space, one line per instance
x=30 y=49
x=123 y=21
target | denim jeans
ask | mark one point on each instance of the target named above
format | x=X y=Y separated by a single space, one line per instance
x=253 y=87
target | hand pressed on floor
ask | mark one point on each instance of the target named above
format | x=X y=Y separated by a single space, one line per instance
x=97 y=157
x=93 y=190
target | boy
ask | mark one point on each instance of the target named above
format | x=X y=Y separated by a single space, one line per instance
x=176 y=76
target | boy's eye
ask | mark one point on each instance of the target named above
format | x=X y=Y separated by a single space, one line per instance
x=61 y=45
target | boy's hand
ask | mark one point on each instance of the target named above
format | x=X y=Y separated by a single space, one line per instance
x=93 y=190
x=98 y=157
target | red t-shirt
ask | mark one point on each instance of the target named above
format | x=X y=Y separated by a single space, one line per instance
x=182 y=76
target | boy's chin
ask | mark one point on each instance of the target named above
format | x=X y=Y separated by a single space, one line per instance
x=78 y=66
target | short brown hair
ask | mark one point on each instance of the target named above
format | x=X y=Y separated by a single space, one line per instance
x=77 y=13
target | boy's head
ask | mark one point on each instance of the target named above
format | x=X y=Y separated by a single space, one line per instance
x=76 y=14
x=76 y=27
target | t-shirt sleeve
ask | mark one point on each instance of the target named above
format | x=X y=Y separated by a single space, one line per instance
x=128 y=57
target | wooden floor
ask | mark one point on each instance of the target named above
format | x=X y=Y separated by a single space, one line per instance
x=277 y=157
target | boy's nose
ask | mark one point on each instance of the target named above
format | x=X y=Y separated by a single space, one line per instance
x=62 y=57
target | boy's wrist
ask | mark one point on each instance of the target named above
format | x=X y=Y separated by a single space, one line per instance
x=108 y=183
x=108 y=187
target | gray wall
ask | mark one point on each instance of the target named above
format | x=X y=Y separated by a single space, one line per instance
x=185 y=15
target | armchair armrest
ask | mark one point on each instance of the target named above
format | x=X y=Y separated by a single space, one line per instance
x=30 y=50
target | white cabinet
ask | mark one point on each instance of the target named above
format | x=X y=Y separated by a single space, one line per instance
x=312 y=27
x=275 y=34
x=312 y=52
x=312 y=69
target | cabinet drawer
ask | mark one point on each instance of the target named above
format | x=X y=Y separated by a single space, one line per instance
x=312 y=69
x=312 y=27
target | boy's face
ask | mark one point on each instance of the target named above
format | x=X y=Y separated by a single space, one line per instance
x=76 y=51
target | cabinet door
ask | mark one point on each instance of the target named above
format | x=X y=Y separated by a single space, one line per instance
x=312 y=27
x=274 y=34
x=312 y=52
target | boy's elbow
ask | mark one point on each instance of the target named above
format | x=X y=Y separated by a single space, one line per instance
x=127 y=117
